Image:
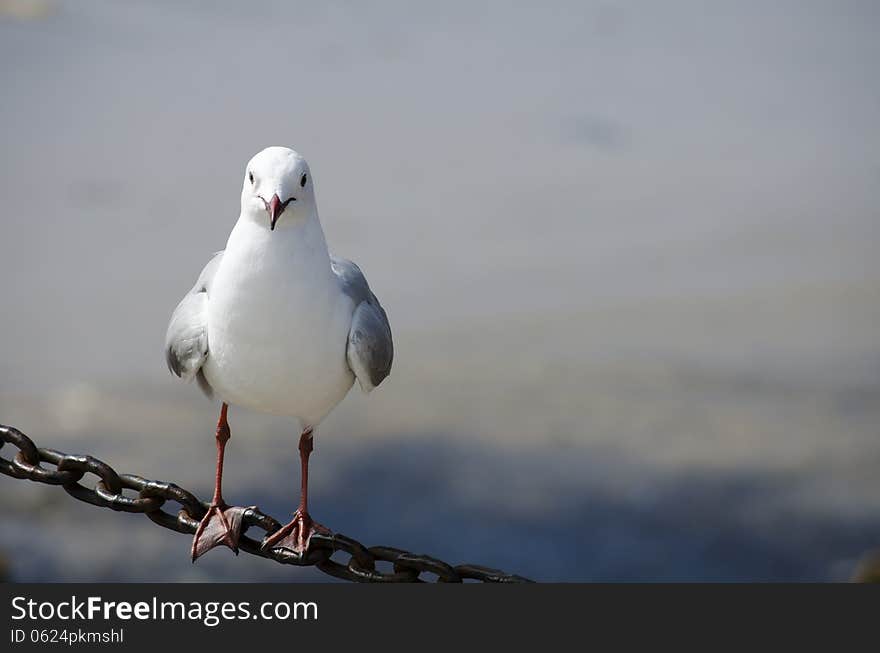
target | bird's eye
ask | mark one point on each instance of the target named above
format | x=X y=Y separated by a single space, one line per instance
x=251 y=176
x=302 y=181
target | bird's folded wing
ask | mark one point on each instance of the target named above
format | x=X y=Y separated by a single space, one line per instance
x=370 y=350
x=186 y=341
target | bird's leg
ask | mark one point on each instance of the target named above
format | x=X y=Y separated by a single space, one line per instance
x=222 y=523
x=299 y=531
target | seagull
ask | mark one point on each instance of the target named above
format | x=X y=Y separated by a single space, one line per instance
x=277 y=324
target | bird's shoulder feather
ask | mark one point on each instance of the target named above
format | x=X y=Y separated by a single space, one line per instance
x=370 y=349
x=186 y=340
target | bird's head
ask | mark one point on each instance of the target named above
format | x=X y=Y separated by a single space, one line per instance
x=277 y=182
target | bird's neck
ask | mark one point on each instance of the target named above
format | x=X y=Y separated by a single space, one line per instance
x=298 y=237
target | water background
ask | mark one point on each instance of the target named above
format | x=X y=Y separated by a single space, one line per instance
x=628 y=249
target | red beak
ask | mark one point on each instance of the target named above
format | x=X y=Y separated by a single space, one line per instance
x=275 y=208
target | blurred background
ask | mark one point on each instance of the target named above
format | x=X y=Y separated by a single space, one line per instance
x=628 y=250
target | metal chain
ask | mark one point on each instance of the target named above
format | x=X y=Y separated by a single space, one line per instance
x=151 y=497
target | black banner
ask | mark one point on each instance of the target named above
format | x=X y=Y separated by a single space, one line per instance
x=146 y=617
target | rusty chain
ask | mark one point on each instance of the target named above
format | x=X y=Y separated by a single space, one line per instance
x=151 y=497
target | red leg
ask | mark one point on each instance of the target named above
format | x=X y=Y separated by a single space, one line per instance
x=222 y=436
x=306 y=446
x=299 y=531
x=222 y=523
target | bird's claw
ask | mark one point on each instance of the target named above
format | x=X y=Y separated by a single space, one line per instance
x=221 y=525
x=296 y=535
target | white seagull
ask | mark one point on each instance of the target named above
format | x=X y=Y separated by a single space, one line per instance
x=278 y=324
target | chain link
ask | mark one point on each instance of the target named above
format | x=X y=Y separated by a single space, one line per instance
x=155 y=498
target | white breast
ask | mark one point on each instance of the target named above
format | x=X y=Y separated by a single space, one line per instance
x=278 y=323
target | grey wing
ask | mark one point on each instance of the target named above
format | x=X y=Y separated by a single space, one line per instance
x=186 y=341
x=370 y=349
